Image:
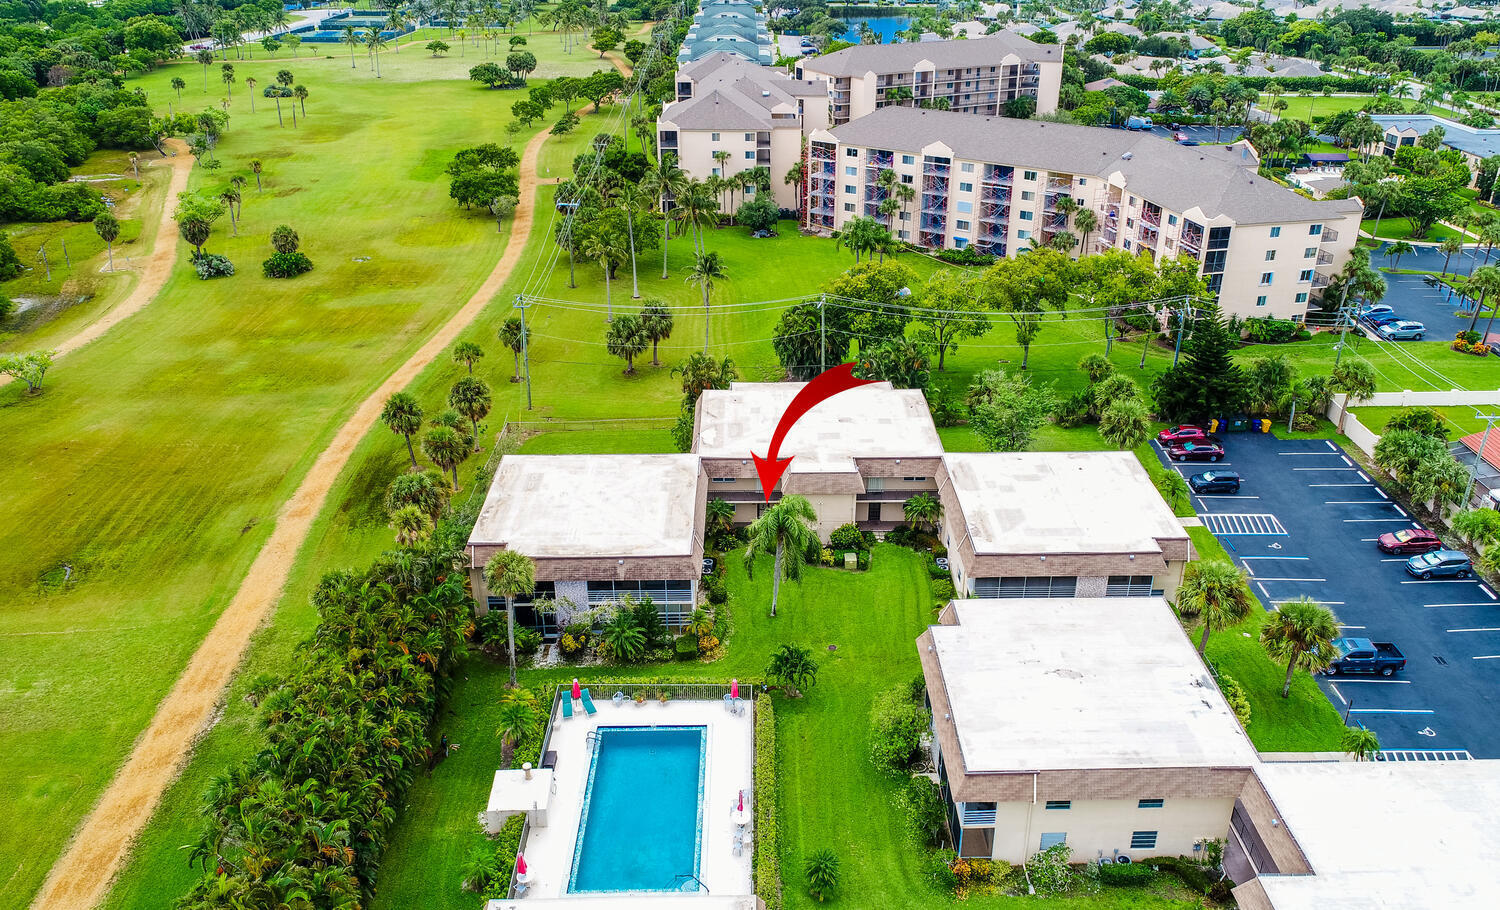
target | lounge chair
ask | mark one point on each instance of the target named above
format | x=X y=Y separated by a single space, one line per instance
x=567 y=704
x=728 y=703
x=588 y=703
x=619 y=699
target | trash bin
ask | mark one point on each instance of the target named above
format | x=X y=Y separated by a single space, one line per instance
x=1237 y=424
x=1265 y=424
x=1213 y=425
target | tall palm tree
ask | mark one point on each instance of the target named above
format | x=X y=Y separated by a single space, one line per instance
x=1449 y=246
x=411 y=524
x=707 y=269
x=657 y=321
x=1086 y=222
x=1395 y=251
x=786 y=529
x=402 y=415
x=923 y=510
x=470 y=396
x=1300 y=633
x=701 y=372
x=605 y=250
x=250 y=83
x=516 y=717
x=1485 y=280
x=374 y=43
x=510 y=336
x=664 y=180
x=627 y=339
x=447 y=448
x=509 y=574
x=350 y=36
x=467 y=353
x=1216 y=591
x=630 y=197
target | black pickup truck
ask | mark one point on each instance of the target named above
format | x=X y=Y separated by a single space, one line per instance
x=1360 y=655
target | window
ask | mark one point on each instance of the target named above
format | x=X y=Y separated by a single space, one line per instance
x=1132 y=200
x=966 y=187
x=1128 y=586
x=906 y=178
x=1305 y=275
x=1310 y=252
x=906 y=216
x=848 y=206
x=914 y=479
x=1028 y=175
x=851 y=171
x=848 y=153
x=1027 y=586
x=1150 y=804
x=1171 y=219
x=1127 y=243
x=1314 y=230
x=1023 y=235
x=908 y=159
x=1143 y=840
x=750 y=154
x=1083 y=181
x=1053 y=839
x=960 y=242
x=1270 y=255
x=849 y=188
x=1276 y=232
x=1028 y=216
x=722 y=479
x=713 y=137
x=1059 y=804
x=749 y=137
x=1302 y=297
x=1027 y=196
x=965 y=207
x=967 y=167
x=1218 y=238
x=960 y=225
x=1265 y=277
x=1261 y=300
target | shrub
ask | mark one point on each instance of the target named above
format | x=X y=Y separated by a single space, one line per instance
x=822 y=868
x=1469 y=336
x=1478 y=349
x=1221 y=892
x=212 y=265
x=897 y=535
x=718 y=594
x=1234 y=693
x=862 y=559
x=1075 y=410
x=939 y=552
x=284 y=239
x=528 y=642
x=846 y=537
x=936 y=572
x=507 y=845
x=767 y=840
x=943 y=590
x=686 y=647
x=1126 y=873
x=1049 y=872
x=896 y=727
x=286 y=265
x=921 y=803
x=1193 y=875
x=965 y=256
x=1265 y=330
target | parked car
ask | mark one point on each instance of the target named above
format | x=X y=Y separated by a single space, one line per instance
x=1360 y=655
x=1402 y=330
x=1215 y=482
x=1440 y=563
x=1138 y=123
x=1375 y=322
x=1370 y=310
x=1185 y=432
x=1409 y=541
x=1195 y=451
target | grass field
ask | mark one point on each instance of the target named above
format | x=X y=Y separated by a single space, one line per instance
x=1317 y=106
x=1460 y=421
x=1394 y=228
x=158 y=456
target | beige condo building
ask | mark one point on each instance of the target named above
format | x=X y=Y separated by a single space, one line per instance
x=995 y=184
x=974 y=76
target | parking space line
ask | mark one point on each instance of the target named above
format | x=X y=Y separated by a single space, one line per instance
x=1488 y=657
x=1330 y=444
x=1401 y=510
x=1220 y=496
x=1347 y=626
x=1266 y=595
x=1341 y=485
x=1455 y=605
x=1380 y=682
x=1487 y=592
x=1382 y=493
x=1395 y=559
x=1363 y=477
x=1490 y=629
x=1328 y=469
x=1391 y=711
x=1442 y=581
x=1402 y=520
x=1320 y=454
x=1268 y=578
x=1275 y=557
x=1326 y=603
x=1249 y=570
x=1355 y=502
x=1345 y=459
x=1338 y=693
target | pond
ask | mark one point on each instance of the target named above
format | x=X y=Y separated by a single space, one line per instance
x=886 y=25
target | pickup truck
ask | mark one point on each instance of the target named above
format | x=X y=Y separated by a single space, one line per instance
x=1360 y=655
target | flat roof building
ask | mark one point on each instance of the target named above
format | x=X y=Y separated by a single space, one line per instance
x=598 y=527
x=1405 y=129
x=1063 y=722
x=995 y=184
x=1058 y=524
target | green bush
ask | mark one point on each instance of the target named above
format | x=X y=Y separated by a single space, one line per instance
x=937 y=572
x=966 y=256
x=507 y=845
x=862 y=559
x=528 y=641
x=1265 y=330
x=1076 y=410
x=822 y=870
x=686 y=647
x=896 y=726
x=286 y=265
x=1193 y=875
x=943 y=590
x=846 y=537
x=715 y=589
x=1126 y=873
x=897 y=535
x=1049 y=872
x=767 y=840
x=1234 y=693
x=921 y=803
x=939 y=552
x=212 y=265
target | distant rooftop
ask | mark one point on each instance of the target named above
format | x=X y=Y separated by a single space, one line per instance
x=730 y=92
x=871 y=421
x=578 y=506
x=1127 y=687
x=728 y=26
x=891 y=58
x=1463 y=137
x=1433 y=846
x=1060 y=502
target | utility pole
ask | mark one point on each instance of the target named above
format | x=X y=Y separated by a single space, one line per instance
x=1292 y=416
x=1489 y=424
x=1344 y=322
x=1182 y=319
x=822 y=335
x=521 y=305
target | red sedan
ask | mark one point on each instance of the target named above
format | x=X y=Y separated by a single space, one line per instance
x=1409 y=541
x=1183 y=433
x=1195 y=451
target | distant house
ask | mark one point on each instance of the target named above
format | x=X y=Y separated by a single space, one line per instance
x=1405 y=129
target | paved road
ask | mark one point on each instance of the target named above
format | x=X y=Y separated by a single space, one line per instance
x=1305 y=524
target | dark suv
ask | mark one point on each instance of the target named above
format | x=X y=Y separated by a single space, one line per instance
x=1215 y=482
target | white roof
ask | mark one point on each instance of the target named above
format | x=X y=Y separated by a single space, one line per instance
x=1081 y=683
x=512 y=792
x=568 y=506
x=870 y=421
x=1388 y=834
x=1060 y=502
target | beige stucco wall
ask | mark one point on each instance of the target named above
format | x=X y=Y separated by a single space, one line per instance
x=1096 y=827
x=834 y=510
x=1049 y=84
x=695 y=155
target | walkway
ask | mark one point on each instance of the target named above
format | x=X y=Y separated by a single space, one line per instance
x=81 y=877
x=158 y=265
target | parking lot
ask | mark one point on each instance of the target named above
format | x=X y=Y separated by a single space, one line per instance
x=1411 y=298
x=1304 y=524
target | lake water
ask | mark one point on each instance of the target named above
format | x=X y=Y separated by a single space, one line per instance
x=885 y=26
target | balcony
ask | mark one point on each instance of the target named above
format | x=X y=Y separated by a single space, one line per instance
x=1320 y=280
x=1148 y=235
x=1325 y=257
x=1059 y=184
x=933 y=169
x=1150 y=217
x=1329 y=235
x=933 y=222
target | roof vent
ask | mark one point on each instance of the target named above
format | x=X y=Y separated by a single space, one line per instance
x=765 y=93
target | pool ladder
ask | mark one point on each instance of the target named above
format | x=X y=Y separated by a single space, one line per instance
x=591 y=740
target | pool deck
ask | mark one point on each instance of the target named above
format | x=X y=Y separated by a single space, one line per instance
x=728 y=765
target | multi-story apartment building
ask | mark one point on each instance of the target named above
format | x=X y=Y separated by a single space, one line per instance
x=728 y=26
x=1473 y=143
x=997 y=184
x=755 y=114
x=974 y=76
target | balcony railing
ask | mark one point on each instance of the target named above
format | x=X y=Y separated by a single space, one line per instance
x=1320 y=280
x=1329 y=235
x=1151 y=218
x=1325 y=257
x=1148 y=234
x=930 y=169
x=1061 y=184
x=976 y=818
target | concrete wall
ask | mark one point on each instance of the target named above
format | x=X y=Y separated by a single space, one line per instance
x=834 y=510
x=1104 y=826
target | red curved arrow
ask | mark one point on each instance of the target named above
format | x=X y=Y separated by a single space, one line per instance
x=825 y=385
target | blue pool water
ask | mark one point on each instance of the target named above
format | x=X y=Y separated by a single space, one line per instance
x=642 y=822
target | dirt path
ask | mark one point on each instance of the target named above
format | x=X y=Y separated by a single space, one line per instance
x=158 y=265
x=82 y=875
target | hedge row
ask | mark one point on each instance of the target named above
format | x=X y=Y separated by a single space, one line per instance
x=767 y=838
x=1362 y=84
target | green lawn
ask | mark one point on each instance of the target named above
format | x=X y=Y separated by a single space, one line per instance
x=1460 y=421
x=1395 y=228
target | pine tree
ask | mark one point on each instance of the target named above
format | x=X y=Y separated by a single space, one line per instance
x=1208 y=383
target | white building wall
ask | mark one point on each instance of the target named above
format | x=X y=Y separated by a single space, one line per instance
x=1097 y=828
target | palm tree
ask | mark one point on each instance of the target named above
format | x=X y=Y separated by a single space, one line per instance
x=630 y=196
x=178 y=84
x=511 y=336
x=255 y=168
x=471 y=398
x=694 y=207
x=719 y=515
x=1485 y=280
x=1449 y=246
x=374 y=43
x=509 y=574
x=1360 y=743
x=627 y=338
x=664 y=180
x=300 y=93
x=516 y=718
x=402 y=415
x=657 y=323
x=227 y=74
x=1300 y=633
x=1086 y=221
x=1216 y=591
x=447 y=448
x=250 y=83
x=923 y=510
x=350 y=36
x=411 y=524
x=785 y=529
x=397 y=22
x=794 y=667
x=707 y=269
x=605 y=250
x=466 y=353
x=1395 y=251
x=701 y=372
x=108 y=229
x=1356 y=379
x=1125 y=423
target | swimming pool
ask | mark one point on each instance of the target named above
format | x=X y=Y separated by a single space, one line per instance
x=641 y=828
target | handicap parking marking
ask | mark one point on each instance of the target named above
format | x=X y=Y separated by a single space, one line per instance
x=1243 y=524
